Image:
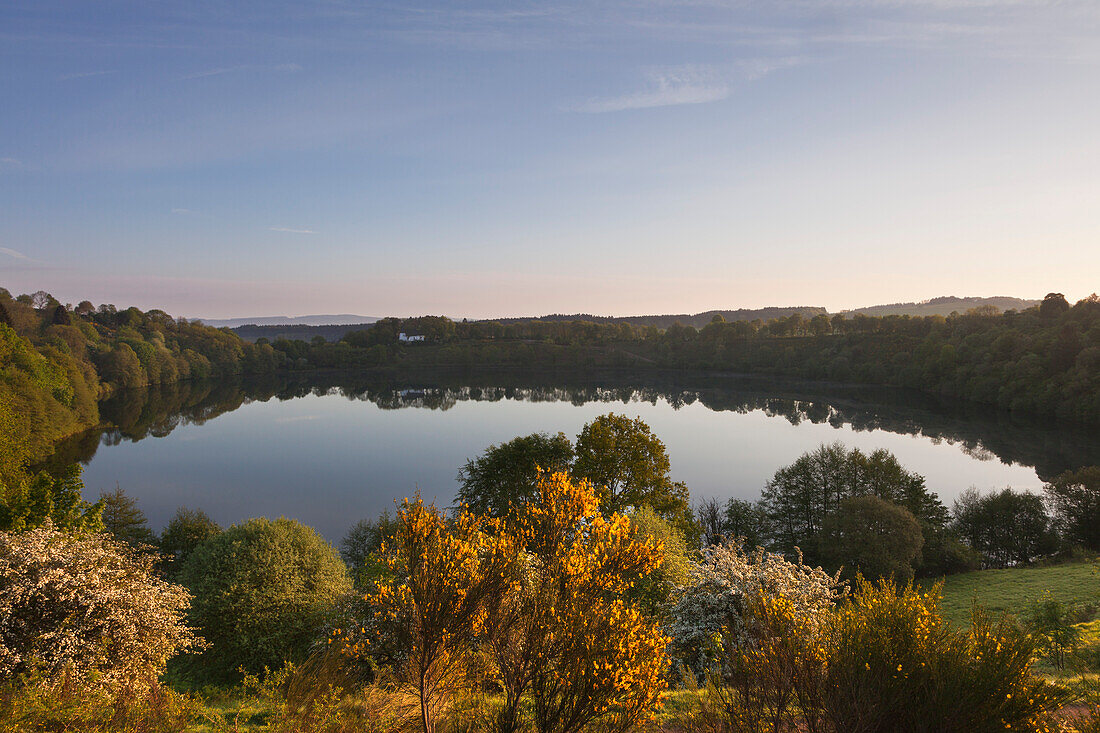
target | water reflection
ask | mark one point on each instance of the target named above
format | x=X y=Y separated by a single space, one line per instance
x=981 y=433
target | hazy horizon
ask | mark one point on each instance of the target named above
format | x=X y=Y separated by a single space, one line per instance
x=499 y=158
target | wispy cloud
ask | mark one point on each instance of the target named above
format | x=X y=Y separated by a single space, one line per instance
x=11 y=164
x=666 y=88
x=21 y=261
x=17 y=255
x=85 y=74
x=291 y=231
x=285 y=68
x=182 y=211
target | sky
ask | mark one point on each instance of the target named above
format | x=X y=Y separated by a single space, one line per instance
x=481 y=159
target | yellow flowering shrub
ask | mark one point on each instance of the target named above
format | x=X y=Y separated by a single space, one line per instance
x=895 y=665
x=568 y=633
x=436 y=596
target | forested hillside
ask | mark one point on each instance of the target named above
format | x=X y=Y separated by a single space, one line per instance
x=1041 y=361
x=57 y=361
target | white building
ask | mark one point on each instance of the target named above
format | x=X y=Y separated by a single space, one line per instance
x=407 y=337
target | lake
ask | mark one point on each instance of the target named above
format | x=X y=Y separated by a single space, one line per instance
x=330 y=450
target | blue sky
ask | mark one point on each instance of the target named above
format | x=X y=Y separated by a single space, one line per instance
x=476 y=159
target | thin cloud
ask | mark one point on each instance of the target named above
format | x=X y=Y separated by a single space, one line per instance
x=85 y=75
x=182 y=211
x=667 y=89
x=11 y=164
x=22 y=261
x=291 y=231
x=17 y=255
x=242 y=67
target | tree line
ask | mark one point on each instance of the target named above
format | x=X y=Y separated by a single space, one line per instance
x=1043 y=360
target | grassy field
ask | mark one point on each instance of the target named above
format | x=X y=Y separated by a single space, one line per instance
x=1012 y=590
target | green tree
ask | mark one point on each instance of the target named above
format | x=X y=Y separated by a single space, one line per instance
x=653 y=591
x=799 y=497
x=629 y=467
x=31 y=502
x=1004 y=527
x=361 y=547
x=872 y=536
x=186 y=530
x=124 y=519
x=1074 y=499
x=1052 y=621
x=505 y=477
x=1053 y=305
x=262 y=589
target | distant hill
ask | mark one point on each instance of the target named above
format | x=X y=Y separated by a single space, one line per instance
x=333 y=327
x=943 y=306
x=698 y=320
x=342 y=319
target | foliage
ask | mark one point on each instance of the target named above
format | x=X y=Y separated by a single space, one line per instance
x=505 y=477
x=629 y=467
x=84 y=605
x=771 y=660
x=654 y=591
x=262 y=589
x=1074 y=499
x=319 y=697
x=800 y=497
x=186 y=530
x=362 y=545
x=895 y=665
x=872 y=536
x=34 y=501
x=1052 y=623
x=1005 y=528
x=31 y=704
x=125 y=521
x=436 y=599
x=711 y=607
x=567 y=631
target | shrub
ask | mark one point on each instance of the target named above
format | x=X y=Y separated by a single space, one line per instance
x=86 y=605
x=712 y=606
x=895 y=665
x=568 y=631
x=262 y=589
x=1052 y=622
x=435 y=600
x=31 y=704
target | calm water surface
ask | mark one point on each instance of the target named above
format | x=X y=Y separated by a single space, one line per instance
x=329 y=452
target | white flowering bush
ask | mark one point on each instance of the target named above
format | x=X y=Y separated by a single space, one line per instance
x=711 y=607
x=88 y=607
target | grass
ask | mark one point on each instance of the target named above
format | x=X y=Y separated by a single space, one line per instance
x=1012 y=590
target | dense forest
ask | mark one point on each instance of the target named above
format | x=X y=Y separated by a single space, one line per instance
x=1042 y=361
x=58 y=361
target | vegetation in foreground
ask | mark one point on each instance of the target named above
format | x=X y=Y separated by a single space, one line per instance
x=559 y=602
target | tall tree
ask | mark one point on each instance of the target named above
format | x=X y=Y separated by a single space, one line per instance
x=629 y=467
x=799 y=497
x=1005 y=527
x=874 y=537
x=1074 y=499
x=124 y=519
x=505 y=476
